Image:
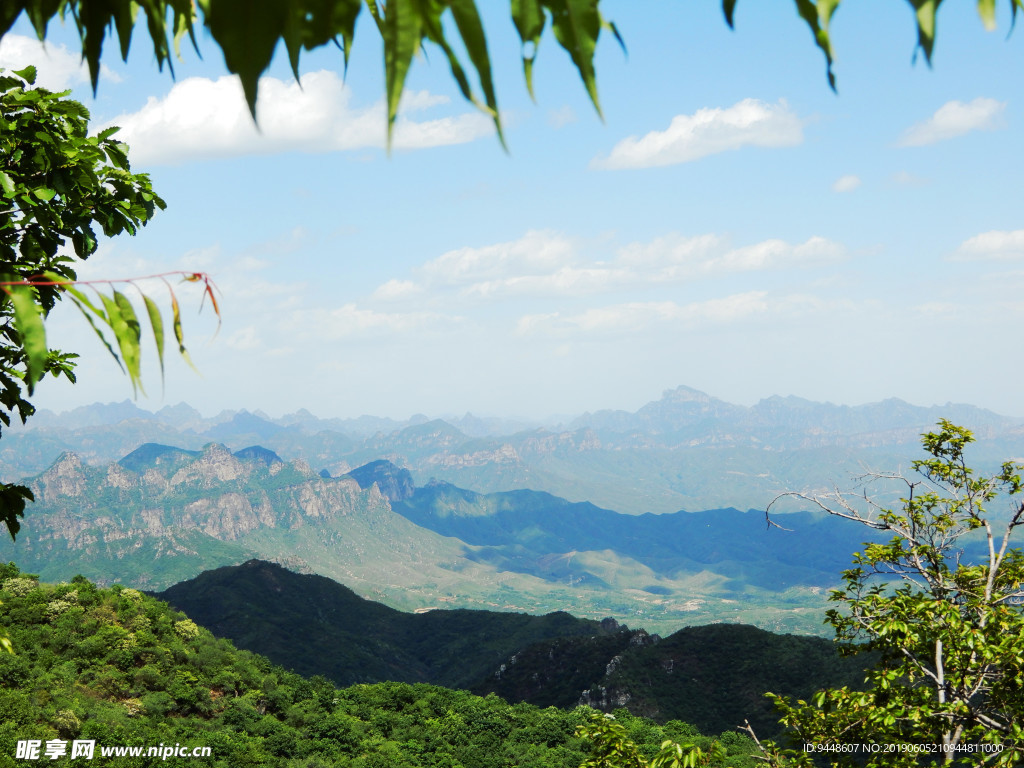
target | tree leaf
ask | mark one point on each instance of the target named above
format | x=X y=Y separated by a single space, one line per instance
x=178 y=334
x=528 y=16
x=127 y=338
x=729 y=9
x=28 y=74
x=432 y=29
x=156 y=322
x=402 y=32
x=467 y=19
x=124 y=22
x=577 y=24
x=81 y=301
x=12 y=506
x=28 y=320
x=925 y=11
x=131 y=349
x=818 y=16
x=987 y=11
x=247 y=32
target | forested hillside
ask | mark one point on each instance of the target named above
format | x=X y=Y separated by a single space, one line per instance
x=348 y=639
x=712 y=676
x=120 y=669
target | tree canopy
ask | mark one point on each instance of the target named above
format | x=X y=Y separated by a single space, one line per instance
x=248 y=32
x=940 y=606
x=57 y=184
x=941 y=602
x=59 y=189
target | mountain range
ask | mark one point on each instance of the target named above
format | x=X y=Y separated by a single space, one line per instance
x=687 y=450
x=163 y=514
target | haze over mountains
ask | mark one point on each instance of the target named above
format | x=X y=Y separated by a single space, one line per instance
x=585 y=517
x=687 y=450
x=164 y=514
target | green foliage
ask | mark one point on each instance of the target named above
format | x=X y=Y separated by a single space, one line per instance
x=119 y=671
x=248 y=32
x=57 y=184
x=949 y=631
x=614 y=744
x=716 y=676
x=348 y=639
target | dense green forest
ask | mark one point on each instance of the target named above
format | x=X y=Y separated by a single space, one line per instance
x=713 y=676
x=122 y=669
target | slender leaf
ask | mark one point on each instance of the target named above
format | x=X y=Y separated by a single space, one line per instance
x=375 y=15
x=98 y=332
x=124 y=336
x=132 y=352
x=124 y=22
x=247 y=32
x=402 y=33
x=156 y=322
x=434 y=32
x=818 y=16
x=28 y=320
x=213 y=301
x=577 y=24
x=610 y=26
x=925 y=11
x=81 y=301
x=345 y=15
x=467 y=19
x=729 y=9
x=178 y=334
x=987 y=11
x=528 y=16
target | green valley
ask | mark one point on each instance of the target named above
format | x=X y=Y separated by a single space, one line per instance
x=164 y=514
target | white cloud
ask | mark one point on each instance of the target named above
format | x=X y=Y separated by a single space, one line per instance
x=394 y=290
x=630 y=317
x=633 y=316
x=536 y=252
x=778 y=254
x=671 y=249
x=846 y=183
x=955 y=118
x=544 y=263
x=997 y=245
x=57 y=68
x=674 y=258
x=707 y=132
x=208 y=118
x=350 y=320
x=564 y=281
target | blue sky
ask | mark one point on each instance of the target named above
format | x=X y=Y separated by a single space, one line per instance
x=732 y=225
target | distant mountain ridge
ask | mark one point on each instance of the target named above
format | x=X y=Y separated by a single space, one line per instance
x=687 y=410
x=686 y=450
